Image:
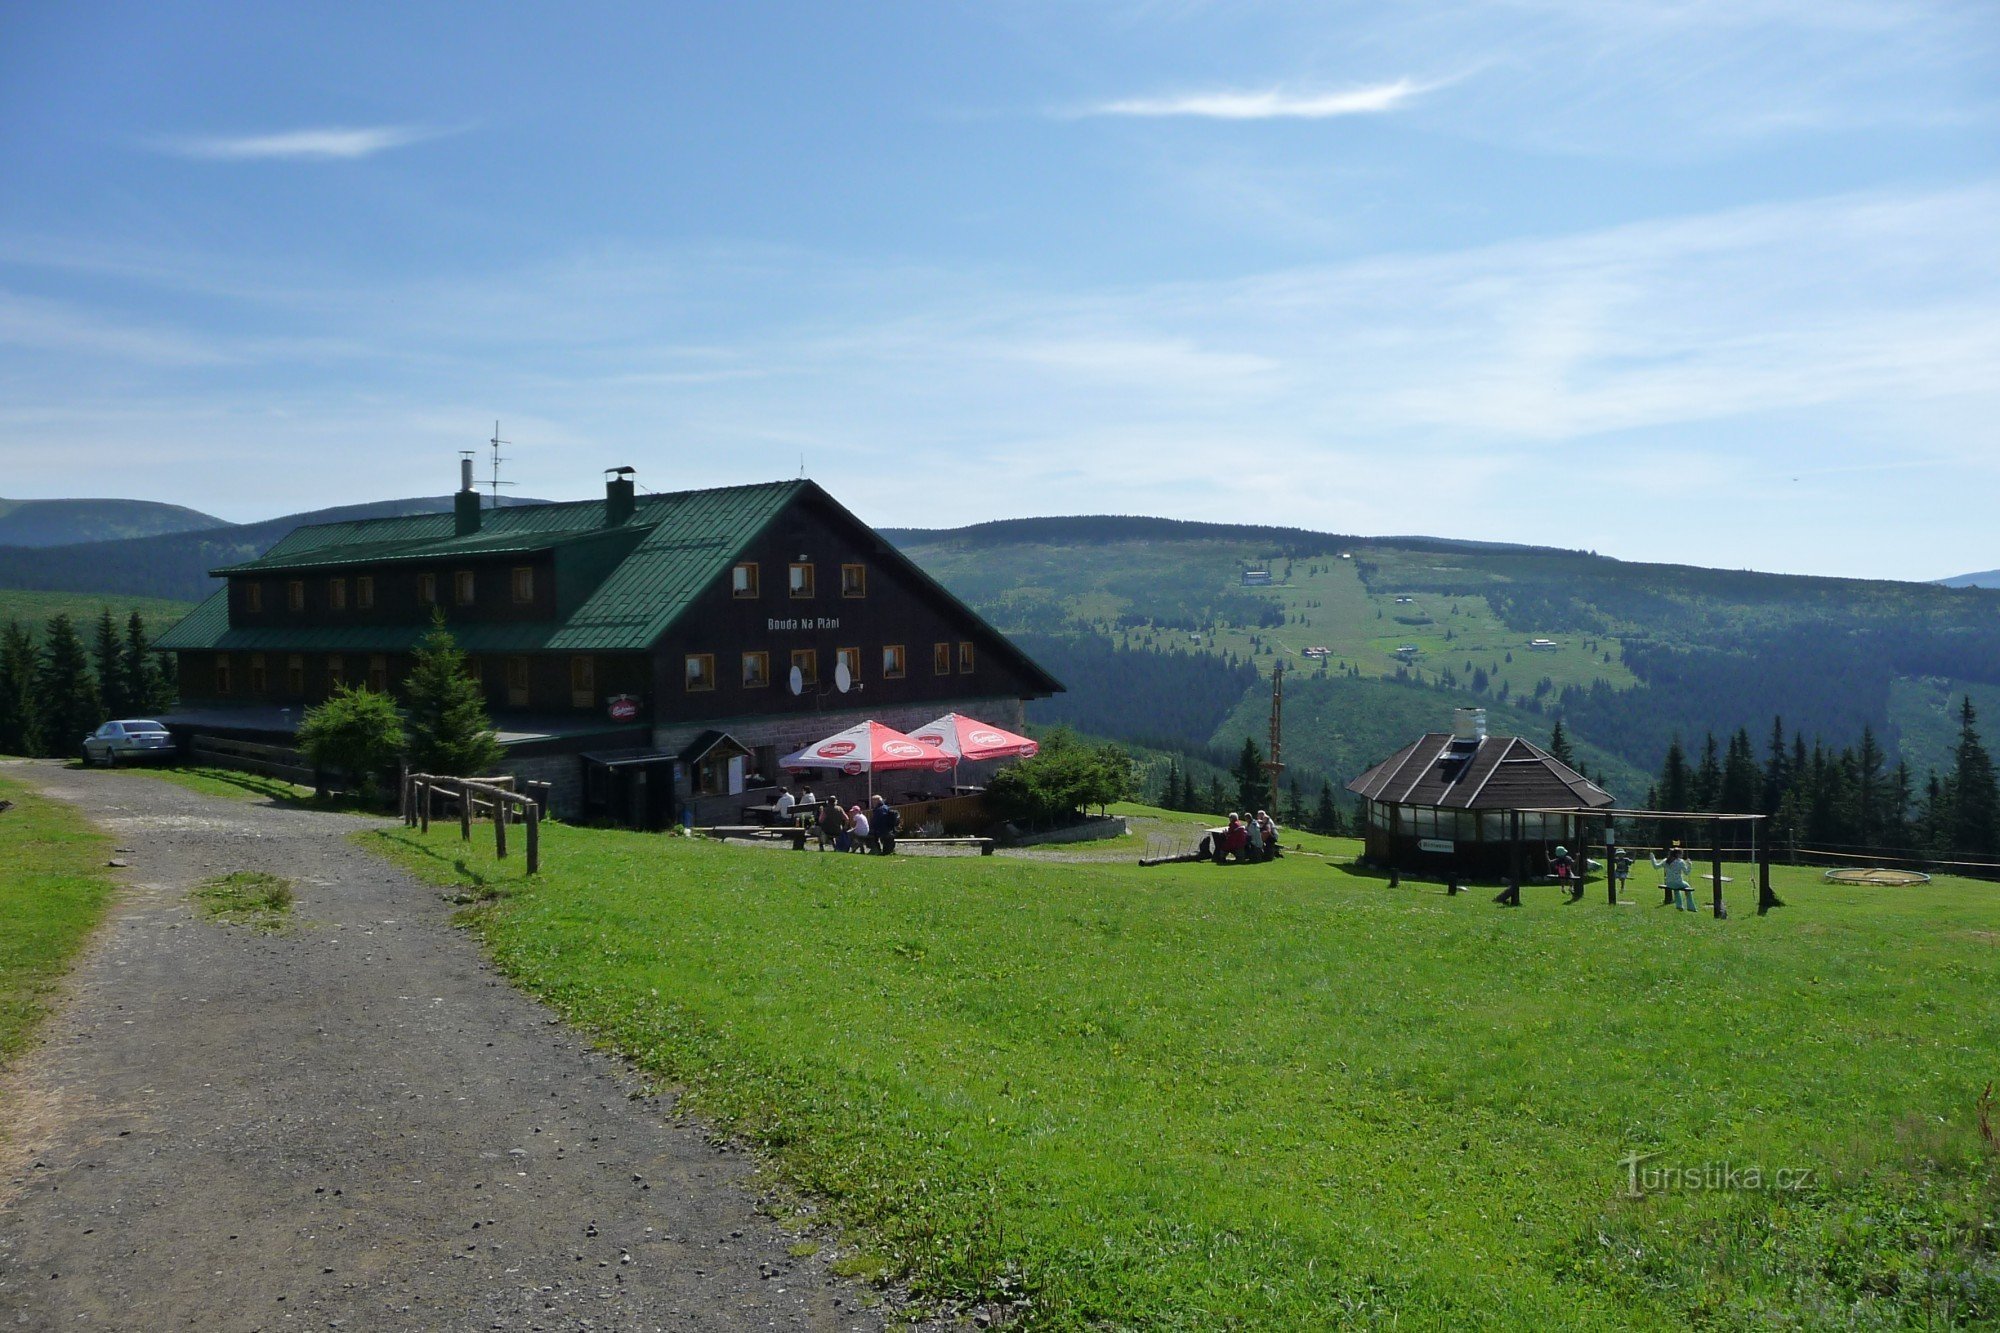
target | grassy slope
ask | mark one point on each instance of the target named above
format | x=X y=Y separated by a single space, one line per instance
x=1285 y=1096
x=36 y=609
x=53 y=890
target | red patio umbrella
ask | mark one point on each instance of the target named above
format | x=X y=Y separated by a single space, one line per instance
x=864 y=748
x=963 y=737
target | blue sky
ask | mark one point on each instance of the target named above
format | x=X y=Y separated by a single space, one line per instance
x=1709 y=281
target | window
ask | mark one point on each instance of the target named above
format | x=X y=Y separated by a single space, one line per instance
x=259 y=676
x=517 y=681
x=700 y=671
x=802 y=580
x=892 y=662
x=851 y=659
x=475 y=670
x=223 y=683
x=854 y=580
x=583 y=682
x=336 y=673
x=364 y=592
x=295 y=595
x=941 y=659
x=253 y=597
x=336 y=594
x=743 y=580
x=524 y=583
x=756 y=670
x=462 y=588
x=427 y=589
x=378 y=674
x=965 y=657
x=295 y=675
x=805 y=661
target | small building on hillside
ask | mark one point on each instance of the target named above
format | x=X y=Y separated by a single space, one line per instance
x=1446 y=803
x=1256 y=578
x=642 y=654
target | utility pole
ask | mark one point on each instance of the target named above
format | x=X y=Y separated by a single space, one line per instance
x=1275 y=763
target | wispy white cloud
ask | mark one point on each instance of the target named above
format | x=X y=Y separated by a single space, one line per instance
x=1270 y=103
x=326 y=143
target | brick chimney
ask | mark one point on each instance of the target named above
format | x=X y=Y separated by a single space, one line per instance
x=619 y=497
x=465 y=505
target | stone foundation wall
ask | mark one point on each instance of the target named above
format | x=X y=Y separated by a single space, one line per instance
x=563 y=773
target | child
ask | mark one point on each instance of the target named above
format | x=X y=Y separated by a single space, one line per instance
x=1621 y=868
x=1678 y=882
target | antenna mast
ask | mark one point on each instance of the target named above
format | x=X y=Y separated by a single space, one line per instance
x=494 y=482
x=1275 y=762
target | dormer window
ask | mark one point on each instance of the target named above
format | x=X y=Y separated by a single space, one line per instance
x=336 y=594
x=295 y=595
x=524 y=584
x=253 y=597
x=364 y=592
x=462 y=587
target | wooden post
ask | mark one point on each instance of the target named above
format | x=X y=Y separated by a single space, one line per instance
x=499 y=827
x=534 y=813
x=1766 y=899
x=1511 y=897
x=1715 y=866
x=1610 y=865
x=464 y=813
x=420 y=797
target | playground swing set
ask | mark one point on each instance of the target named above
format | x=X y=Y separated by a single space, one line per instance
x=1760 y=855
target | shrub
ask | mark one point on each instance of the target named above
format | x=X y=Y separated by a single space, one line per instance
x=357 y=733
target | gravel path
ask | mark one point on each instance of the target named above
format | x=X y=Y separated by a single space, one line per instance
x=353 y=1123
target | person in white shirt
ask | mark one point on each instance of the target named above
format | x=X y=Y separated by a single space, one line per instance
x=857 y=829
x=784 y=803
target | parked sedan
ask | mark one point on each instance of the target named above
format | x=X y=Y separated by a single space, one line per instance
x=127 y=738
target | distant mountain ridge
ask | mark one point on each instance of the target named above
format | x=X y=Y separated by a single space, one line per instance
x=176 y=564
x=66 y=522
x=1095 y=529
x=1987 y=578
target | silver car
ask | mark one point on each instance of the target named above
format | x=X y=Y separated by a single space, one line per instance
x=127 y=738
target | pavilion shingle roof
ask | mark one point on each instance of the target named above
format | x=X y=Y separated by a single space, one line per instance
x=1500 y=773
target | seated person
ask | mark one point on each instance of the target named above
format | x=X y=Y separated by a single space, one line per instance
x=1235 y=841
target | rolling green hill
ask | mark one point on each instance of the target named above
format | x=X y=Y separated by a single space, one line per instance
x=1627 y=655
x=36 y=609
x=62 y=522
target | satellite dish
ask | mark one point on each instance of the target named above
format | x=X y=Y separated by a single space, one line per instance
x=842 y=677
x=798 y=681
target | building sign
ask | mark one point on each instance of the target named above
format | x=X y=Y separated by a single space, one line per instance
x=623 y=707
x=796 y=624
x=1436 y=845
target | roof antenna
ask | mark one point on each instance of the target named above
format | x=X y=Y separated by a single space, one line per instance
x=494 y=481
x=802 y=466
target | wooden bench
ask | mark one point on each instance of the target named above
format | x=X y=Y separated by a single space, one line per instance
x=758 y=833
x=985 y=845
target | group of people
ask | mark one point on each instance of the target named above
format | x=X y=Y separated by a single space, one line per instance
x=1676 y=872
x=851 y=830
x=1247 y=838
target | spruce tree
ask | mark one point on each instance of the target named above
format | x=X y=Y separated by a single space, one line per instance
x=1870 y=790
x=1253 y=782
x=106 y=657
x=1975 y=802
x=448 y=729
x=1777 y=768
x=1559 y=746
x=1170 y=793
x=19 y=732
x=1218 y=799
x=66 y=701
x=1740 y=777
x=1326 y=816
x=146 y=682
x=1707 y=791
x=1676 y=782
x=1295 y=809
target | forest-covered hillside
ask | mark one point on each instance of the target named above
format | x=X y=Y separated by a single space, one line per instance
x=1627 y=655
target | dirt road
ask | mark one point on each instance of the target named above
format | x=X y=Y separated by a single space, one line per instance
x=349 y=1124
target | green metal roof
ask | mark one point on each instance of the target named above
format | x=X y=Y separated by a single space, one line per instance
x=617 y=589
x=627 y=584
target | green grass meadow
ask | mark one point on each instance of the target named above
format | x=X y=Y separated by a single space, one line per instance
x=53 y=891
x=1287 y=1096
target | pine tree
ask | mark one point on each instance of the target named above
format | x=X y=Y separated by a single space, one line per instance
x=1870 y=790
x=1326 y=816
x=66 y=701
x=146 y=683
x=1777 y=768
x=448 y=729
x=1707 y=790
x=1218 y=799
x=1676 y=783
x=19 y=732
x=1559 y=747
x=1170 y=793
x=1295 y=809
x=1740 y=778
x=105 y=656
x=1974 y=799
x=1253 y=782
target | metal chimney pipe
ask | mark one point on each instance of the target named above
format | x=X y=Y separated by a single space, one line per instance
x=465 y=474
